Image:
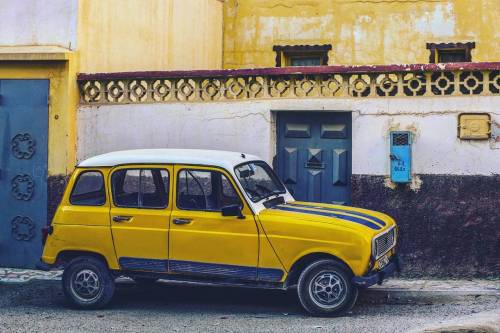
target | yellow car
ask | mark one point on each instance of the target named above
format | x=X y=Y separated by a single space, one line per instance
x=210 y=217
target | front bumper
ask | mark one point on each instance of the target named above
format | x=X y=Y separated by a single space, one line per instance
x=377 y=277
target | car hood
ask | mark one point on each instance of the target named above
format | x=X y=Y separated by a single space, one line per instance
x=365 y=220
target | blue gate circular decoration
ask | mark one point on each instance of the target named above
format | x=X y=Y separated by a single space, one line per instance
x=23 y=187
x=23 y=146
x=23 y=228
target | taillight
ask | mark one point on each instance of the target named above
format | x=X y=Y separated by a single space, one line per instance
x=46 y=231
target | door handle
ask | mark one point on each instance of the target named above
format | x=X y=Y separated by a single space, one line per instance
x=182 y=221
x=121 y=218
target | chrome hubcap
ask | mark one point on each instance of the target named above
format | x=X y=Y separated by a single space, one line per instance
x=327 y=289
x=85 y=285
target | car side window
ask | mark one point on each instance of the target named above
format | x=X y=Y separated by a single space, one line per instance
x=88 y=190
x=140 y=188
x=204 y=190
x=229 y=195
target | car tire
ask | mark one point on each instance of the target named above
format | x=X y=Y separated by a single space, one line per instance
x=88 y=283
x=325 y=288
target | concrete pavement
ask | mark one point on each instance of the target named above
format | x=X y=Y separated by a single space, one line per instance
x=33 y=301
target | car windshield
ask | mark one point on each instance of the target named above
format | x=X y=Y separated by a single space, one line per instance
x=258 y=180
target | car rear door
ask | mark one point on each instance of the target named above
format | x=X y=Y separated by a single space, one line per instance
x=140 y=215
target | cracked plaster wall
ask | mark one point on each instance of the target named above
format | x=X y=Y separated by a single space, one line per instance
x=249 y=126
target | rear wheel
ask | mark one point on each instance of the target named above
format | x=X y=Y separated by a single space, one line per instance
x=325 y=288
x=87 y=283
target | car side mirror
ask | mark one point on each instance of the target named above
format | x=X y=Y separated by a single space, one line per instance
x=232 y=210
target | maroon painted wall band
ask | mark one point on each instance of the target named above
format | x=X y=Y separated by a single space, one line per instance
x=338 y=69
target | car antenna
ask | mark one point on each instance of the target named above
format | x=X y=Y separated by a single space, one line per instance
x=243 y=155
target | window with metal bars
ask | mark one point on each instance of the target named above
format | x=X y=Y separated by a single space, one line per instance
x=400 y=139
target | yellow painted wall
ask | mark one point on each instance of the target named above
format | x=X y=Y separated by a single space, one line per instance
x=63 y=99
x=144 y=35
x=117 y=35
x=361 y=32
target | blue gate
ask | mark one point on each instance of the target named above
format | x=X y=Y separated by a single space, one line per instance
x=23 y=170
x=314 y=155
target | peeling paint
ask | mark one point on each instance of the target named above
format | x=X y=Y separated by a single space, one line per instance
x=361 y=32
x=440 y=22
x=389 y=183
x=396 y=126
x=416 y=183
x=495 y=135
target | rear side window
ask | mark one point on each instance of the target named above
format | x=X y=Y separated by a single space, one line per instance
x=88 y=190
x=140 y=188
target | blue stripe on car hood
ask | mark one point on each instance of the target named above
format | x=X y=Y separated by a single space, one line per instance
x=336 y=210
x=347 y=218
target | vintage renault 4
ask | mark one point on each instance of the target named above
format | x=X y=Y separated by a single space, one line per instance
x=210 y=217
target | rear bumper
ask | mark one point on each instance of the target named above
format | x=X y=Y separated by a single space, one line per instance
x=42 y=266
x=377 y=277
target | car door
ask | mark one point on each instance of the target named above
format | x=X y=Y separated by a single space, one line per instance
x=202 y=241
x=140 y=216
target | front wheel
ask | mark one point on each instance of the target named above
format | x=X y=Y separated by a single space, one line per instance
x=87 y=283
x=325 y=288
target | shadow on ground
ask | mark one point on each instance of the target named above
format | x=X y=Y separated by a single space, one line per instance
x=159 y=296
x=185 y=299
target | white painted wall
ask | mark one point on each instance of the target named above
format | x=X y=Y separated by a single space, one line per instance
x=248 y=126
x=38 y=22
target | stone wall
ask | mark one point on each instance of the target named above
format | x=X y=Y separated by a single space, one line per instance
x=450 y=227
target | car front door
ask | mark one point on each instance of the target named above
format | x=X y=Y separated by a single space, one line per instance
x=140 y=215
x=202 y=241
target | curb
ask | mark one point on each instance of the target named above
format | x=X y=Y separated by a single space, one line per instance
x=408 y=296
x=483 y=322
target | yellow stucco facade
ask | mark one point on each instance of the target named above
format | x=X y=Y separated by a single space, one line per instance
x=138 y=35
x=360 y=32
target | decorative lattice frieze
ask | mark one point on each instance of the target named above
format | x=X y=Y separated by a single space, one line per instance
x=291 y=82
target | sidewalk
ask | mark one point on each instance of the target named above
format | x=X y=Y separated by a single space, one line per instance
x=396 y=301
x=434 y=290
x=392 y=287
x=13 y=275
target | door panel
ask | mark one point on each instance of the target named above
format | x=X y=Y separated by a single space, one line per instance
x=205 y=242
x=140 y=233
x=23 y=170
x=314 y=155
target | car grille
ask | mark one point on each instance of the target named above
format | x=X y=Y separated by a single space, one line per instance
x=384 y=242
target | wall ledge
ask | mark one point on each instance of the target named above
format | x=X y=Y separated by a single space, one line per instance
x=34 y=53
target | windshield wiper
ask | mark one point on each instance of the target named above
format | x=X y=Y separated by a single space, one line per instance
x=271 y=193
x=274 y=202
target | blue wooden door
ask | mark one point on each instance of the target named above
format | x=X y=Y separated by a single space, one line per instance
x=314 y=155
x=23 y=170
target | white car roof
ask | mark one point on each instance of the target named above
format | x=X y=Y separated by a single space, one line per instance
x=224 y=159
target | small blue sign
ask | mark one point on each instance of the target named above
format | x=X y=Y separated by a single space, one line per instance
x=401 y=156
